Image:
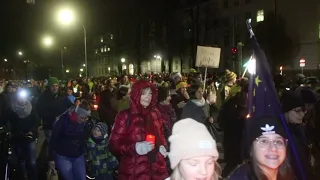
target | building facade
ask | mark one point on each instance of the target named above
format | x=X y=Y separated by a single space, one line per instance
x=222 y=23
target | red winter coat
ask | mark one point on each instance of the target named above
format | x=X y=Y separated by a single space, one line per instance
x=125 y=135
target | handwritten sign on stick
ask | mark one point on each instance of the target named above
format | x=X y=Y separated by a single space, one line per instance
x=208 y=57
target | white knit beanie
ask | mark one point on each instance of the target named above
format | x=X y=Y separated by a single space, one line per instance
x=190 y=139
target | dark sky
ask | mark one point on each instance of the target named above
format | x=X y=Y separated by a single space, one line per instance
x=23 y=26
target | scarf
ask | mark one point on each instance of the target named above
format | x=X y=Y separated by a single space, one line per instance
x=22 y=110
x=97 y=140
x=199 y=102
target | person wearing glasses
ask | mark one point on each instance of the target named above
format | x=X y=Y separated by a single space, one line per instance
x=268 y=154
x=294 y=110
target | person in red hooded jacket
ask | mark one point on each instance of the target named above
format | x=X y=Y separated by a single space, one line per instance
x=141 y=157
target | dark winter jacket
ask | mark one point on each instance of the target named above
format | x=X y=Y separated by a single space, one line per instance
x=198 y=113
x=169 y=117
x=106 y=112
x=125 y=135
x=50 y=106
x=21 y=126
x=242 y=172
x=68 y=138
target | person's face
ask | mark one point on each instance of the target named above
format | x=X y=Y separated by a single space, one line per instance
x=81 y=119
x=178 y=79
x=183 y=89
x=69 y=84
x=96 y=132
x=146 y=97
x=168 y=97
x=54 y=88
x=234 y=81
x=125 y=79
x=296 y=115
x=199 y=94
x=197 y=168
x=269 y=151
x=77 y=102
x=94 y=97
x=69 y=92
x=9 y=89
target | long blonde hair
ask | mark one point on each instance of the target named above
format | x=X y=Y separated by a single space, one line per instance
x=176 y=174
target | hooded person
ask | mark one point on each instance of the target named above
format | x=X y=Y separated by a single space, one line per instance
x=68 y=142
x=24 y=131
x=137 y=137
x=102 y=163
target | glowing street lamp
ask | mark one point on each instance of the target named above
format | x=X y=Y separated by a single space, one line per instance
x=123 y=60
x=81 y=70
x=47 y=41
x=5 y=60
x=67 y=71
x=84 y=65
x=20 y=53
x=252 y=66
x=65 y=16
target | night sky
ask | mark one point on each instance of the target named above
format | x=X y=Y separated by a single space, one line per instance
x=24 y=25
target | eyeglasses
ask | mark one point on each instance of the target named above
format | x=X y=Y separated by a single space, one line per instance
x=278 y=143
x=299 y=111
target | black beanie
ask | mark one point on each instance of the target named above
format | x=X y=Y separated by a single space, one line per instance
x=265 y=125
x=290 y=100
x=308 y=96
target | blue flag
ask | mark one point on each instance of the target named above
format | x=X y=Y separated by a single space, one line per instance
x=264 y=96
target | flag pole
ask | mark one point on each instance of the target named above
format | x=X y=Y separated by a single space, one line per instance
x=283 y=119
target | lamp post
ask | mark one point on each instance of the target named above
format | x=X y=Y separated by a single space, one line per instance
x=66 y=17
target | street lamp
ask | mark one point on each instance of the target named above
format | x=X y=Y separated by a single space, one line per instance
x=47 y=41
x=81 y=70
x=67 y=71
x=84 y=65
x=123 y=60
x=252 y=66
x=20 y=53
x=5 y=60
x=65 y=16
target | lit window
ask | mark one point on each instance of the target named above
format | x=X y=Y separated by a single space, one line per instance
x=109 y=49
x=105 y=49
x=124 y=66
x=319 y=31
x=96 y=51
x=101 y=39
x=260 y=16
x=111 y=36
x=102 y=49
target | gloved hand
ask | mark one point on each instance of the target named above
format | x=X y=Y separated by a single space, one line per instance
x=163 y=151
x=142 y=148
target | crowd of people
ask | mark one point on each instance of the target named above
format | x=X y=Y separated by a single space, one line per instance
x=160 y=126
